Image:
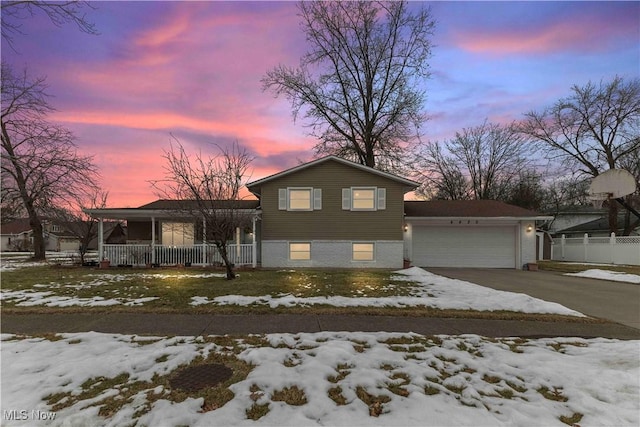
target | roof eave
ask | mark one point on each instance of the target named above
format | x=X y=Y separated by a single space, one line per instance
x=504 y=218
x=120 y=213
x=409 y=183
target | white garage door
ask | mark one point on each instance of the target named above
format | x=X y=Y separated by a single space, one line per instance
x=491 y=247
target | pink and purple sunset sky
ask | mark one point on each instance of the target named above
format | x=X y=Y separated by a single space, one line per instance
x=193 y=69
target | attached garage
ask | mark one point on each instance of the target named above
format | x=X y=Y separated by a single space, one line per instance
x=469 y=233
x=469 y=246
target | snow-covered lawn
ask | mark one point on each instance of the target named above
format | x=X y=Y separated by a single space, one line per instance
x=332 y=378
x=430 y=291
x=433 y=291
x=45 y=294
x=327 y=378
x=614 y=276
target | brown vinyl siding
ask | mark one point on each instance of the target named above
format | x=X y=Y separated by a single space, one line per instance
x=331 y=222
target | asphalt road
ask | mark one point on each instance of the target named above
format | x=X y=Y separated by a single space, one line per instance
x=615 y=301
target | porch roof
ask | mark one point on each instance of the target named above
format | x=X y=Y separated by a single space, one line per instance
x=170 y=208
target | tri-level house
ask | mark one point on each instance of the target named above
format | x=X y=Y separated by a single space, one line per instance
x=331 y=212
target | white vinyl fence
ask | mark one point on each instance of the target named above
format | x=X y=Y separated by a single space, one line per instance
x=606 y=250
x=139 y=255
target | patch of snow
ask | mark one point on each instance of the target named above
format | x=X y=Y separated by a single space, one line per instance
x=614 y=276
x=463 y=380
x=433 y=291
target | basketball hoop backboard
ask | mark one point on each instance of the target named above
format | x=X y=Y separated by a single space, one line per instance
x=612 y=184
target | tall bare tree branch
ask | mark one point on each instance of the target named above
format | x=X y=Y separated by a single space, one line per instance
x=41 y=167
x=594 y=129
x=59 y=12
x=359 y=85
x=209 y=188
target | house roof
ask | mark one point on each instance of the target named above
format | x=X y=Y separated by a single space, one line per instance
x=164 y=207
x=192 y=204
x=467 y=209
x=252 y=186
x=600 y=225
x=15 y=227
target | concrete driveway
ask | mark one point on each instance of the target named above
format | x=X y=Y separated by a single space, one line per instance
x=615 y=301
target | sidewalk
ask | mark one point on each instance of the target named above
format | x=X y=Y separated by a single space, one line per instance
x=207 y=324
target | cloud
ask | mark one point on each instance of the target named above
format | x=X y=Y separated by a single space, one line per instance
x=589 y=29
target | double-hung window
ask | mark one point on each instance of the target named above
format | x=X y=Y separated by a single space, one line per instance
x=299 y=199
x=300 y=251
x=364 y=199
x=363 y=251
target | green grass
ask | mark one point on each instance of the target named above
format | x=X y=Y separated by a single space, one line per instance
x=174 y=290
x=573 y=267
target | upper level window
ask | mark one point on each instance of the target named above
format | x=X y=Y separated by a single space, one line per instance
x=300 y=199
x=364 y=198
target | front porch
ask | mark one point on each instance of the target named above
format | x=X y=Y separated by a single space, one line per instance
x=165 y=233
x=166 y=255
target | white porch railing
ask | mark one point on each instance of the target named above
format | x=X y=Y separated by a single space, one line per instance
x=138 y=255
x=609 y=250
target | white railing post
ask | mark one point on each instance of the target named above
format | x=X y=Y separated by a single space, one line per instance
x=563 y=241
x=585 y=243
x=254 y=245
x=204 y=242
x=101 y=239
x=153 y=240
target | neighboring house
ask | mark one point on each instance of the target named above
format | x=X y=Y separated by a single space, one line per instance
x=597 y=228
x=18 y=236
x=15 y=235
x=573 y=216
x=331 y=212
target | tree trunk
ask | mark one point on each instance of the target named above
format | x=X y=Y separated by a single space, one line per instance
x=38 y=237
x=225 y=257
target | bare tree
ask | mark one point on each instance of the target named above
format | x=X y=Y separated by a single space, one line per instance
x=209 y=189
x=481 y=162
x=441 y=176
x=593 y=129
x=359 y=84
x=80 y=224
x=41 y=166
x=527 y=190
x=59 y=12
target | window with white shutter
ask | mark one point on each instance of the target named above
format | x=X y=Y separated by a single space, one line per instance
x=299 y=199
x=364 y=198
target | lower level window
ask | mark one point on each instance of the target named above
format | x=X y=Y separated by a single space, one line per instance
x=300 y=251
x=362 y=251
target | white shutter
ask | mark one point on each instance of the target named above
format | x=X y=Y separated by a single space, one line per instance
x=317 y=199
x=282 y=199
x=382 y=198
x=346 y=199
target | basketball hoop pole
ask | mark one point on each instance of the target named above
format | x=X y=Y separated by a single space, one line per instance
x=627 y=206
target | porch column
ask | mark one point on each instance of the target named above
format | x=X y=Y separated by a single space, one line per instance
x=100 y=239
x=153 y=240
x=254 y=245
x=238 y=253
x=204 y=241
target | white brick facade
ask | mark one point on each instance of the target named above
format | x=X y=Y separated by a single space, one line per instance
x=324 y=253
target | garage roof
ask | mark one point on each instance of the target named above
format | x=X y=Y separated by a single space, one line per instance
x=467 y=209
